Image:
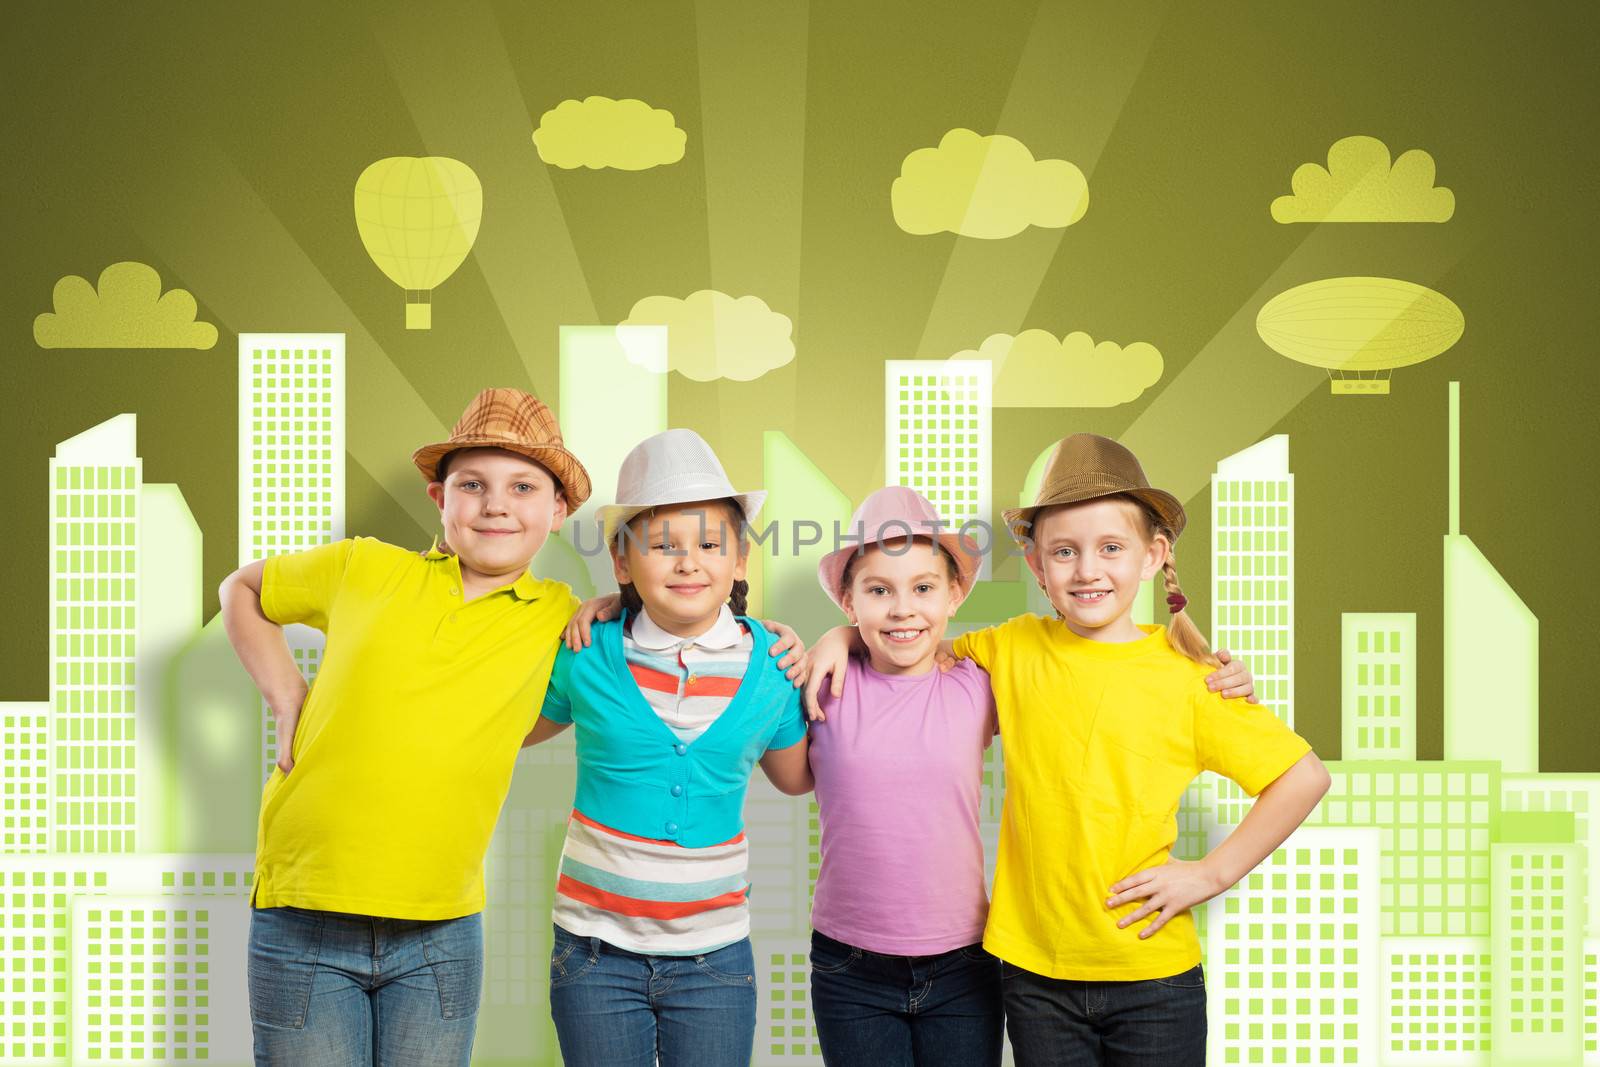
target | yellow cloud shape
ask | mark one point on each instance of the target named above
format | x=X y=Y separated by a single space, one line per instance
x=712 y=335
x=989 y=187
x=127 y=311
x=600 y=132
x=1034 y=370
x=1360 y=185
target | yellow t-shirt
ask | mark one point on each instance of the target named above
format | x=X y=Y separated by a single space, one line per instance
x=406 y=742
x=1100 y=741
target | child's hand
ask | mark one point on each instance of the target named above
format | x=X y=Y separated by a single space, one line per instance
x=595 y=609
x=793 y=650
x=828 y=658
x=1171 y=889
x=1233 y=679
x=944 y=660
x=286 y=719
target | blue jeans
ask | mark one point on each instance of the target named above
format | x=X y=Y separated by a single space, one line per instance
x=615 y=1008
x=905 y=1011
x=1055 y=1022
x=340 y=990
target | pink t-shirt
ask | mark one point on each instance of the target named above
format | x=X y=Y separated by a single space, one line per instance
x=899 y=770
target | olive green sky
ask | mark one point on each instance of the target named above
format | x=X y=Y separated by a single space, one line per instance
x=222 y=148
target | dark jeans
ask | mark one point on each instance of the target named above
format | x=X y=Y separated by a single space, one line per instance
x=615 y=1008
x=1054 y=1022
x=874 y=1010
x=339 y=990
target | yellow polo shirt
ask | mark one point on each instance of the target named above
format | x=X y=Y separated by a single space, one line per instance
x=406 y=742
x=1100 y=742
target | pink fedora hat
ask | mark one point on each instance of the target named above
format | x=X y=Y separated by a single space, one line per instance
x=897 y=511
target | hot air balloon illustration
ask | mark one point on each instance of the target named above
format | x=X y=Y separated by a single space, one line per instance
x=418 y=217
x=1360 y=329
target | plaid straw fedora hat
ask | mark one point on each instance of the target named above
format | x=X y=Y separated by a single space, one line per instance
x=1087 y=466
x=517 y=422
x=671 y=467
x=898 y=511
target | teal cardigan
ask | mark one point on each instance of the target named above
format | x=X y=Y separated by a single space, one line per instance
x=634 y=775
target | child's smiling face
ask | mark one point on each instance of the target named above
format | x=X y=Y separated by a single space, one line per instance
x=683 y=560
x=1092 y=558
x=901 y=595
x=498 y=508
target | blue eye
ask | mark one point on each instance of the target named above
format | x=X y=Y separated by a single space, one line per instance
x=470 y=484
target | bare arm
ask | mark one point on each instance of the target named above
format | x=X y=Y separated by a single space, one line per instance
x=1277 y=812
x=543 y=730
x=261 y=648
x=789 y=769
x=1178 y=885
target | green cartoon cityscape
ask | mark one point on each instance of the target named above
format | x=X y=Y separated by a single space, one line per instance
x=852 y=246
x=1430 y=912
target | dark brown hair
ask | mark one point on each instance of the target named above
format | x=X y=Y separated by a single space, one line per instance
x=634 y=603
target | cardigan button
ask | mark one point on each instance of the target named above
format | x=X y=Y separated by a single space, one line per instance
x=672 y=829
x=681 y=749
x=677 y=790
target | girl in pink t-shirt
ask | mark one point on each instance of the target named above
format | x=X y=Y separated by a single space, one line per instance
x=899 y=974
x=898 y=970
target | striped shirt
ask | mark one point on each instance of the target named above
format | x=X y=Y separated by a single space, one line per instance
x=650 y=896
x=688 y=681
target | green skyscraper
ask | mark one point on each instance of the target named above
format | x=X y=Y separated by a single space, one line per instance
x=611 y=376
x=1378 y=711
x=1536 y=944
x=24 y=789
x=1491 y=647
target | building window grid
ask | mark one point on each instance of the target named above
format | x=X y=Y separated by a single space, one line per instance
x=1438 y=1000
x=1591 y=999
x=26 y=795
x=93 y=693
x=791 y=1031
x=1433 y=825
x=149 y=996
x=296 y=407
x=1290 y=974
x=34 y=1002
x=1531 y=797
x=1537 y=940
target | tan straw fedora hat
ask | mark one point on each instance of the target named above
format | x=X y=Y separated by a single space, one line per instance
x=517 y=422
x=1087 y=466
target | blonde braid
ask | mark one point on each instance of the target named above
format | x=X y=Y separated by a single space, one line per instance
x=1182 y=633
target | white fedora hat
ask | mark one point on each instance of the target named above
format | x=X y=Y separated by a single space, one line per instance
x=671 y=467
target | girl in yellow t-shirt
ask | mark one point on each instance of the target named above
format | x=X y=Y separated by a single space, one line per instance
x=1105 y=724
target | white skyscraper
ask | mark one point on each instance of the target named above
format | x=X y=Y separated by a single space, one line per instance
x=1252 y=573
x=291 y=464
x=94 y=543
x=937 y=439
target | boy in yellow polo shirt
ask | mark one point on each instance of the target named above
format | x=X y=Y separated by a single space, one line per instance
x=366 y=943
